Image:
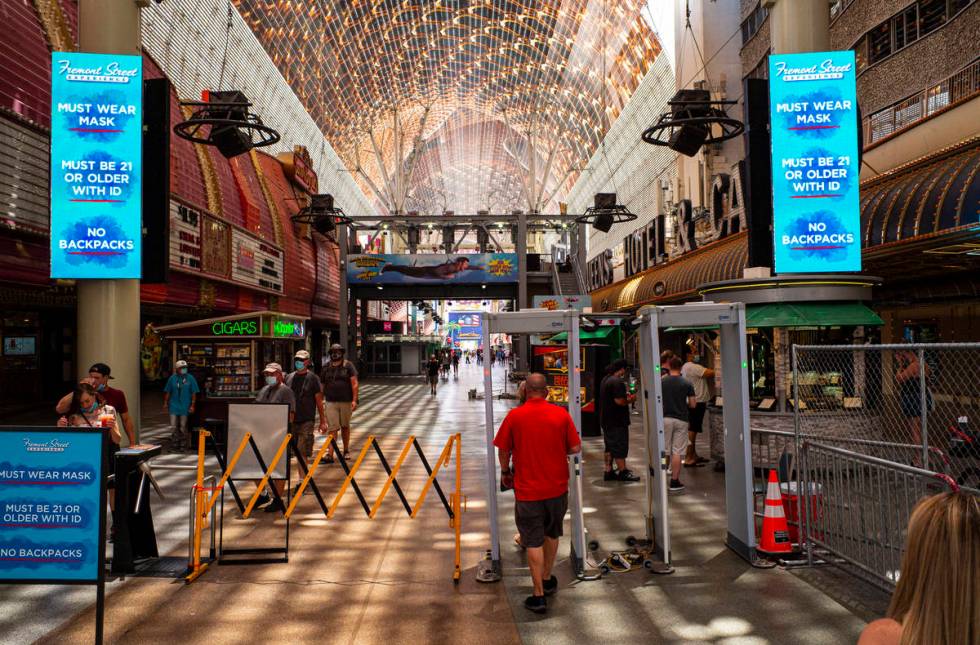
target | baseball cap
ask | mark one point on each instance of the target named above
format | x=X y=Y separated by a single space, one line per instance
x=272 y=367
x=180 y=364
x=101 y=368
x=302 y=355
x=336 y=347
x=620 y=364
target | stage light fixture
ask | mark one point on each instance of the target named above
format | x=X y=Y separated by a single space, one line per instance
x=321 y=214
x=605 y=212
x=222 y=119
x=691 y=123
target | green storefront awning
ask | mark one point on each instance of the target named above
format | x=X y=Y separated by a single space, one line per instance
x=597 y=333
x=811 y=314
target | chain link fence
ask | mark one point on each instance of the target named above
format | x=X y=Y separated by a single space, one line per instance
x=913 y=404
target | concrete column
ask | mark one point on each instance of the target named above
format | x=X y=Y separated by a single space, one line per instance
x=799 y=25
x=109 y=310
x=522 y=341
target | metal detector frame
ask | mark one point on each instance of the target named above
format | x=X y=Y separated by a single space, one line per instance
x=534 y=322
x=729 y=318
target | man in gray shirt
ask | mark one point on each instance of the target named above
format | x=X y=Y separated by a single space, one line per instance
x=275 y=391
x=679 y=399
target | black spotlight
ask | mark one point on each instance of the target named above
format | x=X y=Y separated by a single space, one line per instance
x=691 y=123
x=222 y=119
x=605 y=212
x=321 y=214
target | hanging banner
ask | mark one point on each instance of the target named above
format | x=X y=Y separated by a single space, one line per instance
x=436 y=268
x=814 y=125
x=96 y=165
x=51 y=504
x=465 y=325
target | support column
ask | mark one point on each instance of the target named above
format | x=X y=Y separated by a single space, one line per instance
x=799 y=26
x=342 y=296
x=524 y=346
x=108 y=316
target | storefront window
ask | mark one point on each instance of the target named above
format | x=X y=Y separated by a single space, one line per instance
x=762 y=365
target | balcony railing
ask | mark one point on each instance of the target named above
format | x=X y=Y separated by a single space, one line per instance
x=960 y=87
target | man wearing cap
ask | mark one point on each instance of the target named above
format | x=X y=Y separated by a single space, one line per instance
x=614 y=418
x=179 y=396
x=99 y=376
x=309 y=400
x=339 y=377
x=275 y=391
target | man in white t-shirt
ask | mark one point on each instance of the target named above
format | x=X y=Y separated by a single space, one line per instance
x=698 y=376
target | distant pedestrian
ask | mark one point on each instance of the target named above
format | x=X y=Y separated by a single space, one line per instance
x=538 y=436
x=179 y=398
x=909 y=377
x=308 y=391
x=455 y=360
x=698 y=376
x=614 y=419
x=432 y=373
x=340 y=393
x=275 y=391
x=679 y=400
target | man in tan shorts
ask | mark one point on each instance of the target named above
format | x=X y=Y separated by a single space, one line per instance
x=339 y=378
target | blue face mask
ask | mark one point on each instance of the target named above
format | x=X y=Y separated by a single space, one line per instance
x=101 y=387
x=271 y=380
x=182 y=370
x=90 y=409
x=300 y=365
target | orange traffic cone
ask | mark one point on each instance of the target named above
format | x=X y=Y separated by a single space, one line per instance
x=775 y=531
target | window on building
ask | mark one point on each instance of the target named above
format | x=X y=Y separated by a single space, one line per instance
x=753 y=22
x=904 y=28
x=932 y=15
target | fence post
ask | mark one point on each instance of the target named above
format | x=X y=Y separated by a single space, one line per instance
x=923 y=408
x=802 y=482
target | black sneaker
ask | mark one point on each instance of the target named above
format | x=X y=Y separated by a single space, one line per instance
x=628 y=476
x=263 y=501
x=537 y=604
x=610 y=476
x=676 y=486
x=275 y=507
x=551 y=586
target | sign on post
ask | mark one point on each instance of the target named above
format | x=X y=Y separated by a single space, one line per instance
x=96 y=159
x=52 y=509
x=815 y=168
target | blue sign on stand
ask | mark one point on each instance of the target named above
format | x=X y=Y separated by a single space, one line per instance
x=52 y=505
x=96 y=165
x=815 y=170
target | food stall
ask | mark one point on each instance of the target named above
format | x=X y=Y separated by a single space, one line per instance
x=226 y=356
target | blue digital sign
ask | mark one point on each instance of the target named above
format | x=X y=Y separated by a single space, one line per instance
x=96 y=165
x=815 y=172
x=51 y=504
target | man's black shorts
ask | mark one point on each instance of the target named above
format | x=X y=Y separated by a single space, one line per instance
x=617 y=441
x=539 y=519
x=697 y=417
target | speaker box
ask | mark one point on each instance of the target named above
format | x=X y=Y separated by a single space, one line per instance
x=156 y=180
x=687 y=140
x=603 y=222
x=758 y=175
x=605 y=200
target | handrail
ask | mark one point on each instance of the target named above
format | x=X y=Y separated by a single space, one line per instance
x=554 y=270
x=908 y=112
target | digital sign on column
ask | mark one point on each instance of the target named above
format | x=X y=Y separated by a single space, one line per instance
x=815 y=168
x=96 y=155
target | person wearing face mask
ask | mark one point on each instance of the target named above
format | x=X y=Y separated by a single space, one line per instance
x=275 y=391
x=309 y=400
x=99 y=377
x=340 y=387
x=179 y=397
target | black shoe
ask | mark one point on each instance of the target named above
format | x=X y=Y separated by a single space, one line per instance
x=551 y=586
x=628 y=476
x=275 y=507
x=263 y=501
x=329 y=459
x=676 y=486
x=537 y=604
x=610 y=476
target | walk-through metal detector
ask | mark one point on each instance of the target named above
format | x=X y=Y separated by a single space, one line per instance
x=534 y=322
x=729 y=318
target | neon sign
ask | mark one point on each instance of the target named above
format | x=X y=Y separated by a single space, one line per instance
x=235 y=328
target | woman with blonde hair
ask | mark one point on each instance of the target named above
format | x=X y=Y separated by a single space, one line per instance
x=937 y=600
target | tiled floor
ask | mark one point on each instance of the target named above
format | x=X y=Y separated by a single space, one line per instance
x=388 y=580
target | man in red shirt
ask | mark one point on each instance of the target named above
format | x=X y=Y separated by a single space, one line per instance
x=539 y=436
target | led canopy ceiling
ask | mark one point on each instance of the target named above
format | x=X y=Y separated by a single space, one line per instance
x=460 y=105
